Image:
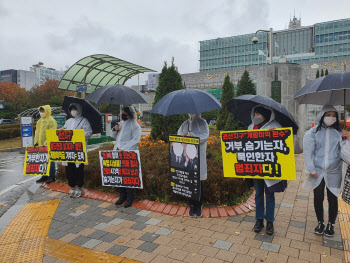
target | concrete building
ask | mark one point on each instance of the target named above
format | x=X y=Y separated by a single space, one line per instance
x=25 y=79
x=44 y=73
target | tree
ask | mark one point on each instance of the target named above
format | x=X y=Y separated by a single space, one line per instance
x=317 y=74
x=41 y=95
x=15 y=95
x=55 y=101
x=169 y=80
x=210 y=115
x=326 y=73
x=232 y=124
x=227 y=95
x=322 y=73
x=245 y=85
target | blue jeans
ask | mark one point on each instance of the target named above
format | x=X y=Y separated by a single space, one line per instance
x=259 y=186
x=52 y=173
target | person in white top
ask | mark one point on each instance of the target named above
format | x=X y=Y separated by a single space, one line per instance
x=128 y=137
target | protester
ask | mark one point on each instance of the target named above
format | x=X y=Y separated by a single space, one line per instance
x=128 y=137
x=46 y=122
x=264 y=118
x=195 y=126
x=323 y=166
x=75 y=171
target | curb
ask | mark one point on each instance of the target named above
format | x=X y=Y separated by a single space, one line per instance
x=154 y=206
x=11 y=149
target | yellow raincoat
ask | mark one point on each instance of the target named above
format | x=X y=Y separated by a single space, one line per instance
x=43 y=124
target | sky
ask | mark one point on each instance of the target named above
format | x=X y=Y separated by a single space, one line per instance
x=143 y=32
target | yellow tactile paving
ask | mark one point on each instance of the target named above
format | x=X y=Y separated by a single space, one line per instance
x=72 y=253
x=24 y=238
x=344 y=216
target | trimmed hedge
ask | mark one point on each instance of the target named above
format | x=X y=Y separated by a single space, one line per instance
x=155 y=175
x=9 y=131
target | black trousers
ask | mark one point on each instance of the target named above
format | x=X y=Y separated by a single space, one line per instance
x=75 y=175
x=126 y=193
x=318 y=203
x=200 y=202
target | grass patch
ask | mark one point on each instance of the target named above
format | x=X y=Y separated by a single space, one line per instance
x=10 y=143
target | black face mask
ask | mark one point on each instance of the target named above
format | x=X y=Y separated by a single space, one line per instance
x=124 y=117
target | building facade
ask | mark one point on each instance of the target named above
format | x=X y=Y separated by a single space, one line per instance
x=319 y=42
x=44 y=73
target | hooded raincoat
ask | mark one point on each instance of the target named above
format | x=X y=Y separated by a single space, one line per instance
x=271 y=123
x=198 y=127
x=43 y=124
x=79 y=122
x=129 y=135
x=322 y=156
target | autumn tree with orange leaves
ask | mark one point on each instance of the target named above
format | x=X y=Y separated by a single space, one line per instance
x=14 y=94
x=48 y=93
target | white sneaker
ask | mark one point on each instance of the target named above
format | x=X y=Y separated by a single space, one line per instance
x=78 y=192
x=71 y=192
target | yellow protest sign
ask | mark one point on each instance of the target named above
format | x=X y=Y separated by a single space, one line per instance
x=258 y=154
x=36 y=161
x=66 y=145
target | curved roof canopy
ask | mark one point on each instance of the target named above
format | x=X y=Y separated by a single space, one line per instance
x=99 y=71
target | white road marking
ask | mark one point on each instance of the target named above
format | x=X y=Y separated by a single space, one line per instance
x=15 y=185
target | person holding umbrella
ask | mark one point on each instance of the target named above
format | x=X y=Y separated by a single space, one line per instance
x=195 y=126
x=323 y=166
x=263 y=117
x=75 y=171
x=128 y=137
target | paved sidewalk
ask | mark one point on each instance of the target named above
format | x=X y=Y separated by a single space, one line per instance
x=87 y=230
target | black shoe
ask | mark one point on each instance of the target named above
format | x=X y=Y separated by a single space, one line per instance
x=319 y=229
x=269 y=228
x=259 y=224
x=329 y=231
x=192 y=211
x=120 y=201
x=42 y=179
x=128 y=203
x=198 y=211
x=50 y=180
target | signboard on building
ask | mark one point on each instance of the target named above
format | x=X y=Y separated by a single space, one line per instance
x=121 y=169
x=66 y=145
x=185 y=166
x=27 y=131
x=259 y=154
x=83 y=87
x=152 y=81
x=60 y=119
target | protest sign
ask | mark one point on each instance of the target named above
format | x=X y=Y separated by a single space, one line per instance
x=36 y=161
x=259 y=154
x=66 y=146
x=184 y=166
x=121 y=169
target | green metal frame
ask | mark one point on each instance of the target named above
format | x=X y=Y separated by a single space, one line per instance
x=99 y=70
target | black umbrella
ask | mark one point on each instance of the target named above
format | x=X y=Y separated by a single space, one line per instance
x=89 y=112
x=242 y=107
x=117 y=94
x=186 y=101
x=333 y=89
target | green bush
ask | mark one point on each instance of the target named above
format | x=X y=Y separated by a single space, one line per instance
x=155 y=175
x=9 y=133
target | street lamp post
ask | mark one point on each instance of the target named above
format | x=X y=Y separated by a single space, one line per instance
x=255 y=40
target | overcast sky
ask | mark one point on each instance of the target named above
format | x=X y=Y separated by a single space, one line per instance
x=144 y=32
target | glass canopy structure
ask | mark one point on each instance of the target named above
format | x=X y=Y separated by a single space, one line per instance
x=99 y=71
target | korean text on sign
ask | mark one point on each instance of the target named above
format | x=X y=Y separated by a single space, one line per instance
x=36 y=161
x=259 y=154
x=66 y=146
x=121 y=169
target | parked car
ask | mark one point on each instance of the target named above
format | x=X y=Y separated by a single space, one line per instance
x=6 y=121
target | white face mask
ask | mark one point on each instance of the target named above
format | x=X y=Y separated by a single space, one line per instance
x=42 y=114
x=257 y=120
x=74 y=113
x=329 y=121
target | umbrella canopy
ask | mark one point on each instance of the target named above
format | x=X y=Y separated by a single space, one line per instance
x=333 y=89
x=242 y=107
x=184 y=101
x=89 y=112
x=117 y=94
